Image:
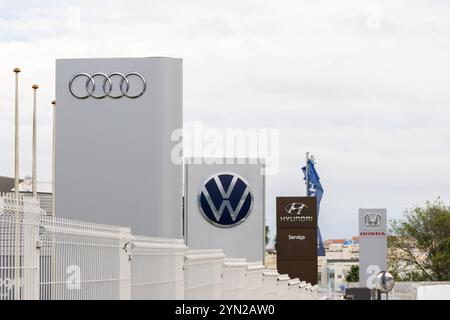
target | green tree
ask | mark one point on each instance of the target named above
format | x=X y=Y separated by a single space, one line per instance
x=422 y=237
x=267 y=237
x=353 y=274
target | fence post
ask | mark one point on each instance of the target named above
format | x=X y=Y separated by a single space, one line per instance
x=30 y=238
x=125 y=257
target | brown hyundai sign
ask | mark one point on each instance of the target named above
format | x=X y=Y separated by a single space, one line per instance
x=297 y=212
x=297 y=237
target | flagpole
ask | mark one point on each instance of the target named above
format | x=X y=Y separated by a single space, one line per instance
x=53 y=156
x=34 y=161
x=16 y=189
x=16 y=142
x=307 y=173
x=53 y=253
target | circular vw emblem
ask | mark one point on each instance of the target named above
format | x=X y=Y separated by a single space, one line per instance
x=114 y=85
x=225 y=199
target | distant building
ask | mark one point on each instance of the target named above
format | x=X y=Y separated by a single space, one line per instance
x=340 y=256
x=26 y=186
x=44 y=190
x=6 y=184
x=328 y=242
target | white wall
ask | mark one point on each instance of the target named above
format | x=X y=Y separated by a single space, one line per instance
x=434 y=292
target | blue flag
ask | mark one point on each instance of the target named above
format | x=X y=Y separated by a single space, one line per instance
x=315 y=189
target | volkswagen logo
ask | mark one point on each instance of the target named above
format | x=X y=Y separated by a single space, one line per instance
x=372 y=220
x=225 y=199
x=295 y=208
x=114 y=85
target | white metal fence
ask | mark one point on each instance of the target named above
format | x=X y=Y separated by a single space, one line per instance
x=19 y=260
x=42 y=257
x=80 y=260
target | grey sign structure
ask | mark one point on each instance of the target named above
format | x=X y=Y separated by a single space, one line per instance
x=224 y=206
x=372 y=245
x=114 y=121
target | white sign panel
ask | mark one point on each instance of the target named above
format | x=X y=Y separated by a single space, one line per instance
x=372 y=245
x=114 y=120
x=224 y=207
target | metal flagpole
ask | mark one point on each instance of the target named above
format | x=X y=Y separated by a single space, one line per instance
x=53 y=157
x=53 y=254
x=16 y=146
x=16 y=192
x=34 y=173
x=307 y=174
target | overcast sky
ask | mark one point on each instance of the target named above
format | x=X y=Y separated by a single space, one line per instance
x=363 y=85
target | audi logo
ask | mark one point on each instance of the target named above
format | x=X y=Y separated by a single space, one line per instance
x=100 y=85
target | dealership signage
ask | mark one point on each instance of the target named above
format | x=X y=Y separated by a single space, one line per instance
x=297 y=237
x=106 y=84
x=114 y=121
x=372 y=245
x=296 y=212
x=224 y=207
x=225 y=199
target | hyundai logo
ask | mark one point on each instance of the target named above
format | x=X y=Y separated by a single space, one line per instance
x=225 y=199
x=295 y=208
x=372 y=220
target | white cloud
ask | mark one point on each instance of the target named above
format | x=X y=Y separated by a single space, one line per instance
x=368 y=97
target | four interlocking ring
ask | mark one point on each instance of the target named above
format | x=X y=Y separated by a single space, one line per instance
x=107 y=85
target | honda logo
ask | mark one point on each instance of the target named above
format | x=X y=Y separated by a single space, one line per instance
x=295 y=208
x=372 y=220
x=372 y=234
x=225 y=199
